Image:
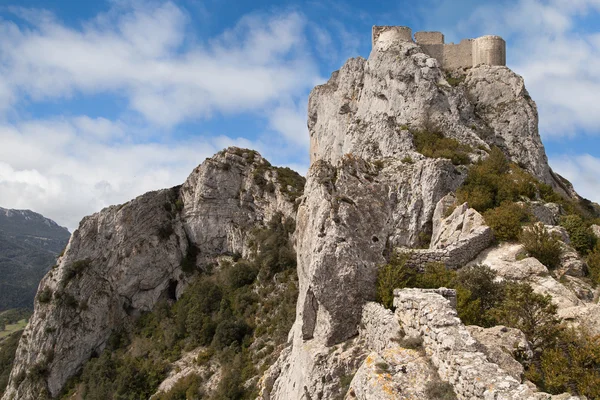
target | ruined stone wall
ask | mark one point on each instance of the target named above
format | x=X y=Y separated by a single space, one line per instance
x=458 y=55
x=429 y=38
x=455 y=255
x=379 y=327
x=452 y=349
x=398 y=32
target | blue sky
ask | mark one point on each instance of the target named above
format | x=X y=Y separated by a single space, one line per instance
x=101 y=101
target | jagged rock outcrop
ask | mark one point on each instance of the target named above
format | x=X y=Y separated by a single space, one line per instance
x=369 y=107
x=123 y=260
x=368 y=193
x=368 y=190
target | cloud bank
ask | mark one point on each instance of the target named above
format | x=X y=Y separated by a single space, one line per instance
x=149 y=57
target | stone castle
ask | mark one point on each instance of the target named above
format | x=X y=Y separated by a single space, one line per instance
x=490 y=50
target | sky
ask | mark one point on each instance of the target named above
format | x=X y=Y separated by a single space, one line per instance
x=101 y=101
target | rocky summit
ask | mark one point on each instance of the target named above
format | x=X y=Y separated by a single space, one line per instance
x=429 y=213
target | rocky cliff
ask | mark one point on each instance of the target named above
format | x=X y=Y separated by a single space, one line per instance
x=369 y=191
x=121 y=261
x=372 y=191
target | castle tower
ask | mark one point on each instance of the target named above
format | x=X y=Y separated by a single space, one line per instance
x=391 y=33
x=490 y=50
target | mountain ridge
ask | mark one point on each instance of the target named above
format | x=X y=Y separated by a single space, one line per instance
x=392 y=137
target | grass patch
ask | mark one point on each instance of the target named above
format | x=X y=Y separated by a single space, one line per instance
x=436 y=145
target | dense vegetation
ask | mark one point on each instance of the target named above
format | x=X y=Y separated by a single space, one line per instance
x=12 y=323
x=494 y=186
x=239 y=314
x=8 y=347
x=564 y=359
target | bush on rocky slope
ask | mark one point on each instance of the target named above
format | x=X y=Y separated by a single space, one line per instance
x=580 y=234
x=235 y=311
x=571 y=365
x=541 y=244
x=436 y=145
x=506 y=220
x=593 y=262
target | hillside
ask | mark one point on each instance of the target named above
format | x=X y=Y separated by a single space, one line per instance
x=29 y=245
x=431 y=253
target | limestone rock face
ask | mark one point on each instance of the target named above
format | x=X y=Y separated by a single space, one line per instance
x=123 y=260
x=503 y=346
x=397 y=374
x=461 y=225
x=351 y=217
x=118 y=262
x=503 y=259
x=369 y=107
x=596 y=230
x=368 y=191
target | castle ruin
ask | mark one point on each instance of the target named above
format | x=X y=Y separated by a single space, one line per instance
x=490 y=50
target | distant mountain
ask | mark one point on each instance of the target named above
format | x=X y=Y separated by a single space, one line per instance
x=29 y=244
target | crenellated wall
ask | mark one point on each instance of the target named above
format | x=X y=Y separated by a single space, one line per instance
x=490 y=50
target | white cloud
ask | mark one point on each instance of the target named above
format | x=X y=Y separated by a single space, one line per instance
x=141 y=54
x=56 y=168
x=146 y=54
x=583 y=171
x=290 y=120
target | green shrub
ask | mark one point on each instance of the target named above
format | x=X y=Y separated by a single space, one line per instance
x=229 y=332
x=188 y=264
x=435 y=145
x=394 y=275
x=580 y=234
x=274 y=251
x=179 y=204
x=241 y=274
x=45 y=296
x=76 y=269
x=532 y=313
x=506 y=220
x=435 y=275
x=494 y=180
x=593 y=262
x=291 y=183
x=572 y=365
x=539 y=243
x=121 y=377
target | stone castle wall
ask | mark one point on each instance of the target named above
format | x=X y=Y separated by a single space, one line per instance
x=490 y=50
x=455 y=255
x=451 y=348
